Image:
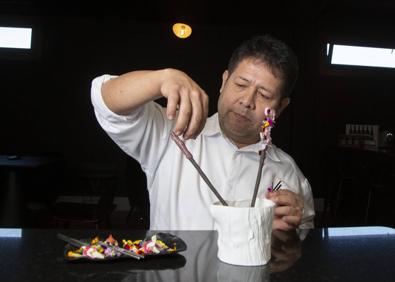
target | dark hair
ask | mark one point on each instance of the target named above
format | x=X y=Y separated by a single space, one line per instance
x=274 y=53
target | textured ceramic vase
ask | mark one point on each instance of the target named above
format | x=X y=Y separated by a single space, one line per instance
x=244 y=233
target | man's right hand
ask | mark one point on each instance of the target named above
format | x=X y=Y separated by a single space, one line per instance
x=187 y=103
x=186 y=96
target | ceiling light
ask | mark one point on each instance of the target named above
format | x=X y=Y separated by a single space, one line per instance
x=182 y=30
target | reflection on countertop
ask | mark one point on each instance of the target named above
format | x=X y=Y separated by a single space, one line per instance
x=38 y=256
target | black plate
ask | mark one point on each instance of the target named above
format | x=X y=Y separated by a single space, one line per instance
x=169 y=239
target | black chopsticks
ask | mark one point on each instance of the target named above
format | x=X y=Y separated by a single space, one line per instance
x=275 y=188
x=278 y=186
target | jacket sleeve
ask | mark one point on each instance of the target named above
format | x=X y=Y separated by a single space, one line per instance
x=308 y=211
x=142 y=134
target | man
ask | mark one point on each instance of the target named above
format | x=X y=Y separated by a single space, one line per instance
x=261 y=73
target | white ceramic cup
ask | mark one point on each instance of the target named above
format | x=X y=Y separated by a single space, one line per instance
x=244 y=233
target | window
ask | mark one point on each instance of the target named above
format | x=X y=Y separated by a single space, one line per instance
x=360 y=56
x=20 y=39
x=15 y=37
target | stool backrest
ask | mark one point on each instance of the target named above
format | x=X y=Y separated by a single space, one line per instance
x=100 y=180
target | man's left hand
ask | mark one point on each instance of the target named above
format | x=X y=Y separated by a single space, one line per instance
x=286 y=249
x=289 y=209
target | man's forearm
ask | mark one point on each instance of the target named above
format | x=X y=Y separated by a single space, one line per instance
x=127 y=92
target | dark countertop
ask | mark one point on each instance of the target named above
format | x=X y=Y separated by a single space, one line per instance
x=334 y=254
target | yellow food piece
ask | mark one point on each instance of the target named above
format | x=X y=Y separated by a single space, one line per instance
x=73 y=254
x=95 y=240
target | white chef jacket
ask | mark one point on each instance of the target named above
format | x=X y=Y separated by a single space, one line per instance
x=179 y=197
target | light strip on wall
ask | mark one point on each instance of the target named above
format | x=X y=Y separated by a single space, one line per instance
x=363 y=56
x=10 y=233
x=15 y=37
x=357 y=231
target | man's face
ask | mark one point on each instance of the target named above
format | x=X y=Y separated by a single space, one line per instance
x=244 y=96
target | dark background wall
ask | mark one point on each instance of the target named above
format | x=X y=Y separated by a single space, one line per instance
x=45 y=97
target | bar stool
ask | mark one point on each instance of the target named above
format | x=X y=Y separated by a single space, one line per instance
x=380 y=192
x=351 y=196
x=139 y=213
x=100 y=185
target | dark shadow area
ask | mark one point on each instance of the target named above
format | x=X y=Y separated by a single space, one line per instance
x=46 y=106
x=360 y=187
